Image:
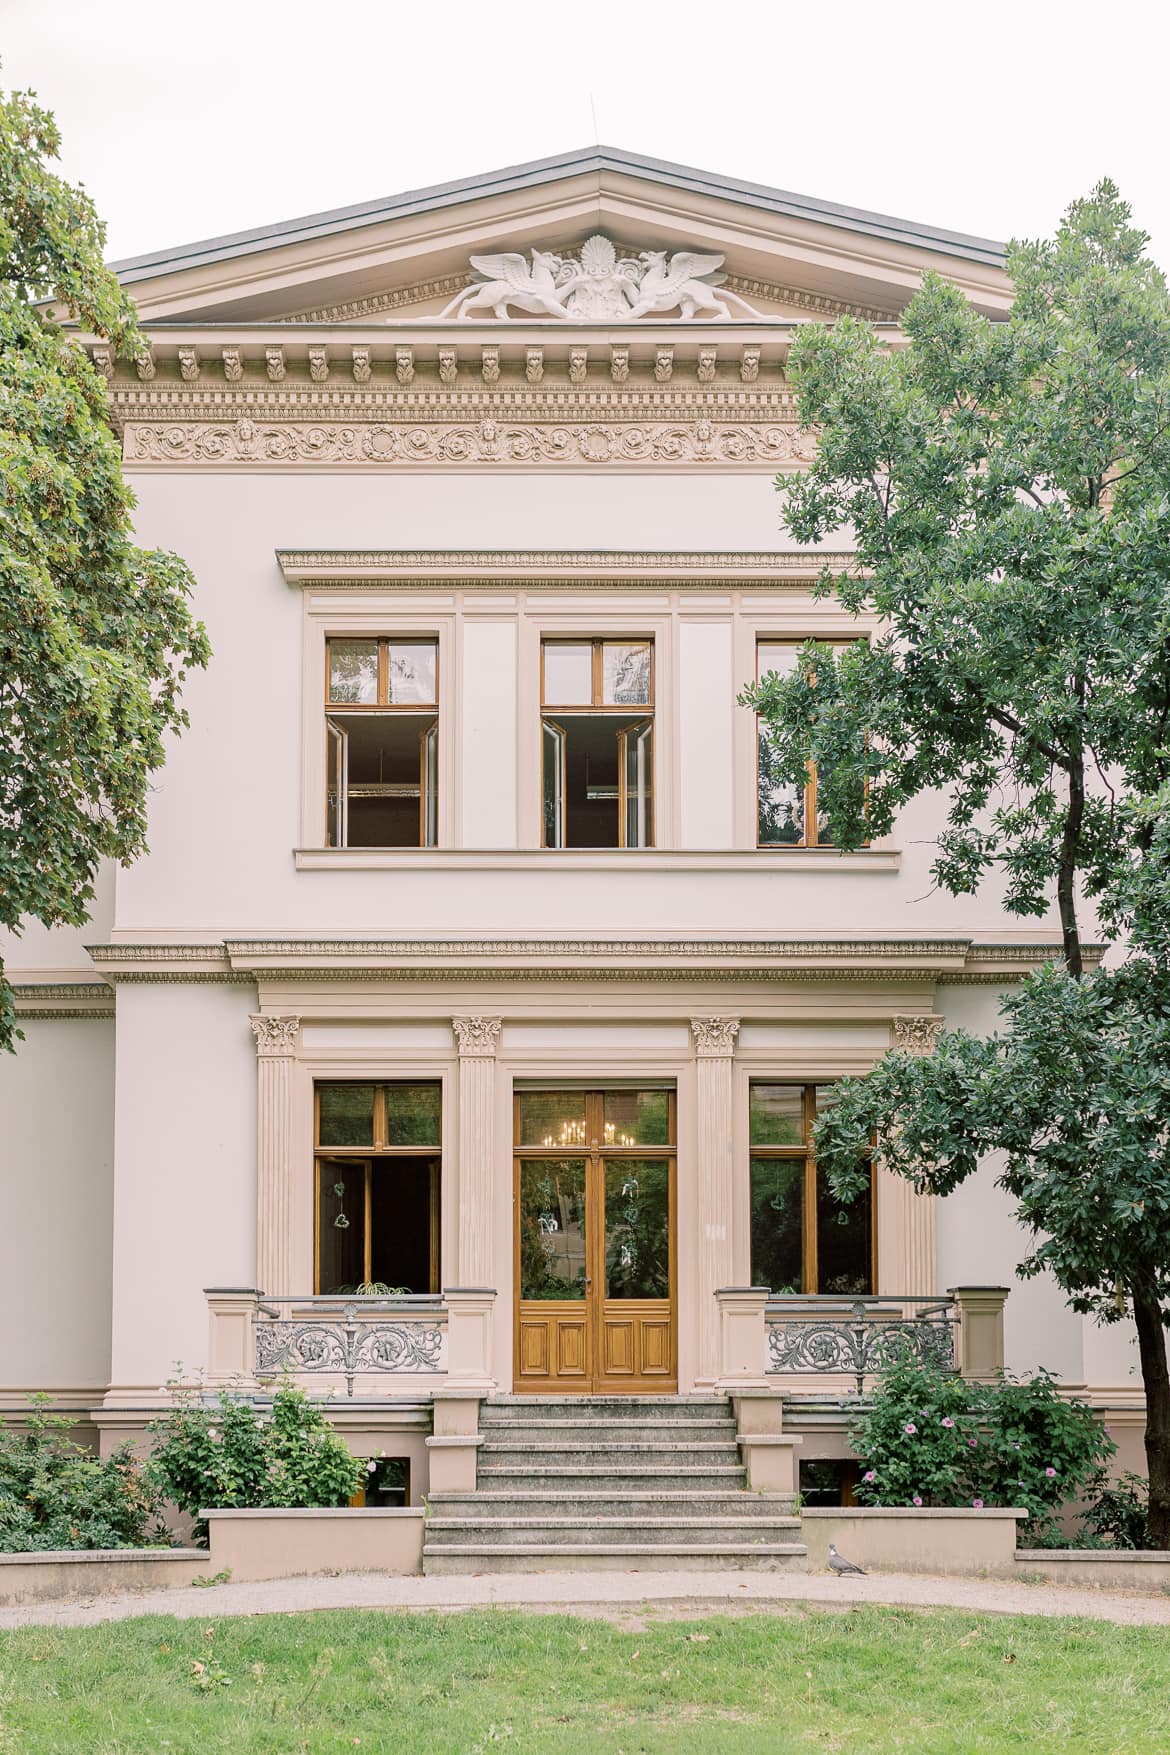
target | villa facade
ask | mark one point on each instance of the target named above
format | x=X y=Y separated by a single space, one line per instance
x=477 y=958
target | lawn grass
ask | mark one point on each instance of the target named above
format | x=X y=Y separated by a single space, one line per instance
x=866 y=1682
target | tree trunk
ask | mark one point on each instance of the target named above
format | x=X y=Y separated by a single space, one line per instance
x=1151 y=1334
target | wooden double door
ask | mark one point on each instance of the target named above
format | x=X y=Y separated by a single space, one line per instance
x=595 y=1241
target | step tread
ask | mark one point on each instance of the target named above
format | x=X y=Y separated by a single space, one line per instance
x=604 y=1523
x=488 y=1549
x=686 y=1494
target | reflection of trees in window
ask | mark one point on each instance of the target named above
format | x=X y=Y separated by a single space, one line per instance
x=787 y=815
x=382 y=743
x=596 y=750
x=802 y=1238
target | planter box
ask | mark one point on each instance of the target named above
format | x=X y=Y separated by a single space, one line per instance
x=55 y=1575
x=910 y=1539
x=1106 y=1569
x=285 y=1544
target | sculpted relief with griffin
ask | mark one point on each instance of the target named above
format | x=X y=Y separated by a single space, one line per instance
x=598 y=285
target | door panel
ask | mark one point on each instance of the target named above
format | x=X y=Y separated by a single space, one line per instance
x=595 y=1262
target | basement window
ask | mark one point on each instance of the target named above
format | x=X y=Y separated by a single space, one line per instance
x=382 y=743
x=597 y=743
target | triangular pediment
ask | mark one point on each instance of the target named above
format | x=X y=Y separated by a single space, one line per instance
x=782 y=256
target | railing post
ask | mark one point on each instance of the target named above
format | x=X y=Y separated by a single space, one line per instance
x=231 y=1318
x=743 y=1340
x=470 y=1315
x=979 y=1337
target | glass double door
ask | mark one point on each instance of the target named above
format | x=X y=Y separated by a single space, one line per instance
x=595 y=1227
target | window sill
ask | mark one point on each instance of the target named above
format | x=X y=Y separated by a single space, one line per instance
x=653 y=859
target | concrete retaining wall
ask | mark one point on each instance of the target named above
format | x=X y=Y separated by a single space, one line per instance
x=96 y=1572
x=285 y=1544
x=913 y=1539
x=1110 y=1569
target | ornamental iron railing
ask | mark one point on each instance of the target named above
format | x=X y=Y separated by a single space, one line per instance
x=350 y=1338
x=863 y=1338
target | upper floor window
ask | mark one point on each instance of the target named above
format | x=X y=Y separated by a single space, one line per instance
x=802 y=1238
x=382 y=743
x=787 y=815
x=597 y=741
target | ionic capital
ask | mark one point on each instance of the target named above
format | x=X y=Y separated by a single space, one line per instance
x=477 y=1036
x=715 y=1036
x=274 y=1036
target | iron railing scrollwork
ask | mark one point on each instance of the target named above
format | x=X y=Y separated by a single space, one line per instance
x=348 y=1343
x=862 y=1340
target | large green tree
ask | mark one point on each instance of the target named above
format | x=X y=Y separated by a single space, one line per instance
x=1008 y=487
x=96 y=635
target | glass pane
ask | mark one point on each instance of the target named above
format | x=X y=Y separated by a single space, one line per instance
x=637 y=1118
x=411 y=671
x=552 y=1228
x=774 y=1115
x=334 y=785
x=639 y=770
x=430 y=784
x=552 y=1118
x=568 y=673
x=353 y=671
x=341 y=1220
x=843 y=1237
x=781 y=806
x=777 y=1223
x=346 y=1115
x=553 y=747
x=412 y=1114
x=773 y=655
x=637 y=1228
x=625 y=673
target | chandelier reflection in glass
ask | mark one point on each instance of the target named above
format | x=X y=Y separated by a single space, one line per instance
x=573 y=1134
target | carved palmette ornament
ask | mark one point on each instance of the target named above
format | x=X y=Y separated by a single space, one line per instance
x=914 y=1034
x=477 y=1036
x=274 y=1035
x=715 y=1036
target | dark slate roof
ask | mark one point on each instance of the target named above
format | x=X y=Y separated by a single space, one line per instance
x=553 y=170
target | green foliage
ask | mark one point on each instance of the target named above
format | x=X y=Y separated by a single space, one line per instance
x=96 y=635
x=225 y=1453
x=1119 y=1514
x=54 y=1494
x=929 y=1438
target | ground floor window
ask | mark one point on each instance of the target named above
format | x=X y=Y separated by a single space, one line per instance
x=802 y=1238
x=378 y=1175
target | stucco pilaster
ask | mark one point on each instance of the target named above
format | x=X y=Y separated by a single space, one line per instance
x=907 y=1261
x=714 y=1048
x=478 y=1039
x=276 y=1041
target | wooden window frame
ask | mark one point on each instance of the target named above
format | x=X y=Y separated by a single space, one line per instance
x=383 y=707
x=554 y=712
x=811 y=836
x=808 y=1216
x=379 y=1152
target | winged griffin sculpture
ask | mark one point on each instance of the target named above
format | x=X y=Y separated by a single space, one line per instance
x=598 y=284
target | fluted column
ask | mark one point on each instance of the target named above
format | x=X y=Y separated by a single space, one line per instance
x=714 y=1048
x=478 y=1040
x=276 y=1041
x=906 y=1219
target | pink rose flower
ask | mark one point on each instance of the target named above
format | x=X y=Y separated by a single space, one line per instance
x=1051 y=1473
x=972 y=1442
x=947 y=1421
x=977 y=1504
x=870 y=1475
x=918 y=1499
x=910 y=1428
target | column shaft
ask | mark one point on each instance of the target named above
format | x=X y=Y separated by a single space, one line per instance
x=715 y=1043
x=275 y=1154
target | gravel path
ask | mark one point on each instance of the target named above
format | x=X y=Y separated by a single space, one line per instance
x=621 y=1596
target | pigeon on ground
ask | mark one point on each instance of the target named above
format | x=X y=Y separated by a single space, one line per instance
x=839 y=1564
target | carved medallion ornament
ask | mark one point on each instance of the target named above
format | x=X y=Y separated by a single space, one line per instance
x=274 y=1035
x=477 y=1036
x=917 y=1035
x=598 y=285
x=715 y=1036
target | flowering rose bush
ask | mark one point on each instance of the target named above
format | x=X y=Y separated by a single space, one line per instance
x=224 y=1453
x=54 y=1494
x=930 y=1438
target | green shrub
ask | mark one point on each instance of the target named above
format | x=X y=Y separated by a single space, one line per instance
x=54 y=1494
x=930 y=1438
x=224 y=1453
x=1119 y=1514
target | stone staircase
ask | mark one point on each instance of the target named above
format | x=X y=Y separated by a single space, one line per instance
x=610 y=1483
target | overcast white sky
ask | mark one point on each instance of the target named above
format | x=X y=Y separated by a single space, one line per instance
x=188 y=121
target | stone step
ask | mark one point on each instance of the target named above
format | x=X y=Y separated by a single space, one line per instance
x=593 y=1532
x=688 y=1425
x=521 y=1477
x=471 y=1557
x=505 y=1410
x=592 y=1502
x=616 y=1454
